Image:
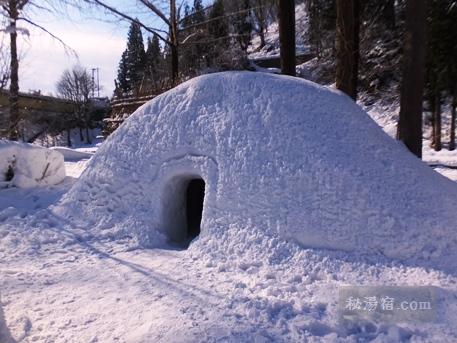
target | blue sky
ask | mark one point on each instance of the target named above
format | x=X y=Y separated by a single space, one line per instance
x=97 y=37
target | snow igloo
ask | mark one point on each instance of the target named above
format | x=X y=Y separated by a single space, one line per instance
x=295 y=159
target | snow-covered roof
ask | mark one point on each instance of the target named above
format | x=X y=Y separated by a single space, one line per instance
x=301 y=161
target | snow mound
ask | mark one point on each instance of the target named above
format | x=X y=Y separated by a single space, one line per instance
x=26 y=165
x=296 y=160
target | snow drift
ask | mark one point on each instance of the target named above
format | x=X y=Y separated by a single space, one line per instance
x=292 y=158
x=26 y=165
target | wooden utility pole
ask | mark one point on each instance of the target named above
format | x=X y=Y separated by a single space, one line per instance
x=286 y=18
x=412 y=85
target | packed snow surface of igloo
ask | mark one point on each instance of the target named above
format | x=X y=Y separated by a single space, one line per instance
x=294 y=159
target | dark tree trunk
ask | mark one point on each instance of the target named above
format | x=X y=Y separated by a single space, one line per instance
x=262 y=37
x=14 y=78
x=347 y=46
x=69 y=138
x=286 y=16
x=356 y=53
x=88 y=140
x=432 y=121
x=174 y=63
x=437 y=125
x=412 y=86
x=389 y=14
x=453 y=115
x=174 y=42
x=81 y=135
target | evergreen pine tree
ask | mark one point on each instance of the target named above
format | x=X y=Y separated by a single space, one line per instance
x=131 y=67
x=122 y=82
x=198 y=13
x=153 y=58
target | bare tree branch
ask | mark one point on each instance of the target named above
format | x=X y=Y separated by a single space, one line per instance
x=154 y=9
x=66 y=47
x=129 y=18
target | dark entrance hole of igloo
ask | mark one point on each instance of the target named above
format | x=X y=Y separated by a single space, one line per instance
x=195 y=195
x=183 y=201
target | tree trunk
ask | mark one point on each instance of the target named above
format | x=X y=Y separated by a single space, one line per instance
x=453 y=114
x=88 y=139
x=432 y=121
x=412 y=86
x=347 y=54
x=69 y=138
x=437 y=125
x=14 y=77
x=81 y=135
x=356 y=53
x=174 y=64
x=174 y=42
x=262 y=37
x=389 y=14
x=286 y=16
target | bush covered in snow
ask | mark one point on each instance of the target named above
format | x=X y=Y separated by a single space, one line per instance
x=25 y=165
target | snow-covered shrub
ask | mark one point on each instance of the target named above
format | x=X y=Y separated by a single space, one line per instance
x=25 y=165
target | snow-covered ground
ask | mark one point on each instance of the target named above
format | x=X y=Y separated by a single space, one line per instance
x=56 y=288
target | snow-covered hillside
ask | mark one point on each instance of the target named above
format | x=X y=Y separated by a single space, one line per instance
x=78 y=281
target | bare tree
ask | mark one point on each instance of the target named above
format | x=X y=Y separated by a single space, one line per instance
x=170 y=38
x=412 y=86
x=4 y=63
x=13 y=8
x=76 y=85
x=286 y=16
x=261 y=10
x=14 y=11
